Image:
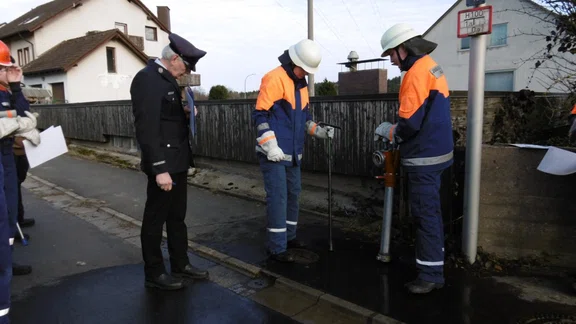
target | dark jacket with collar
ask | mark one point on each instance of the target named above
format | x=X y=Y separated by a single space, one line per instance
x=161 y=125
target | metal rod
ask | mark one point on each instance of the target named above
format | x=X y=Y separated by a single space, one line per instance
x=475 y=117
x=330 y=189
x=384 y=254
x=24 y=241
x=311 y=37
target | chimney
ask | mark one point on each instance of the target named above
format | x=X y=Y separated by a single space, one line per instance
x=164 y=16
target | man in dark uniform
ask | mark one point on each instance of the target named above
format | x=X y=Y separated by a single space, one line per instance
x=162 y=133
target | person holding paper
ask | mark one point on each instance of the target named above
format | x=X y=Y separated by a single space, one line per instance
x=162 y=133
x=24 y=124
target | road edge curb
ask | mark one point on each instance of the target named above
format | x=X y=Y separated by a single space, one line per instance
x=244 y=267
x=220 y=191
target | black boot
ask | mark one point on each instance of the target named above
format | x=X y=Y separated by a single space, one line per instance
x=27 y=222
x=296 y=244
x=20 y=270
x=282 y=257
x=420 y=286
x=190 y=271
x=164 y=282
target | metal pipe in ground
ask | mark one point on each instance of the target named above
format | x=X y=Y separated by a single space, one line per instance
x=475 y=117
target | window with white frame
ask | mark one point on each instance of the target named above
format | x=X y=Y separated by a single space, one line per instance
x=465 y=43
x=499 y=36
x=499 y=81
x=151 y=34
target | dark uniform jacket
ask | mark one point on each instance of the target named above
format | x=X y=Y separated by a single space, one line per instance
x=161 y=125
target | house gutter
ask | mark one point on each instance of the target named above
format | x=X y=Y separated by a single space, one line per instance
x=31 y=45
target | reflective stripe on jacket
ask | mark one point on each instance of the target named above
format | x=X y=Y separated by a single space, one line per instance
x=282 y=106
x=424 y=125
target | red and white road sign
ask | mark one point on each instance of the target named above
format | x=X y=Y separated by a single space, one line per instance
x=475 y=21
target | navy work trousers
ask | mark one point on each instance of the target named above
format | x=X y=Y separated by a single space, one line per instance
x=10 y=183
x=426 y=208
x=283 y=186
x=6 y=241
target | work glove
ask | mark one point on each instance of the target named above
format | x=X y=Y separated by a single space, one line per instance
x=27 y=127
x=572 y=132
x=8 y=126
x=269 y=144
x=318 y=131
x=385 y=132
x=27 y=123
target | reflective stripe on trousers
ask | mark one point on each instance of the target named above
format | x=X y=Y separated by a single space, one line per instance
x=426 y=209
x=5 y=254
x=283 y=186
x=433 y=160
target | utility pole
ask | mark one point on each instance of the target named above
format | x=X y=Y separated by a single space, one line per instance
x=311 y=37
x=475 y=23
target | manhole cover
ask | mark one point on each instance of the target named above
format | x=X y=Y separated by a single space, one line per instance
x=304 y=256
x=258 y=284
x=549 y=319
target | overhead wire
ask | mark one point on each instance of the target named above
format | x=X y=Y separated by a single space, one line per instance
x=321 y=15
x=357 y=26
x=305 y=28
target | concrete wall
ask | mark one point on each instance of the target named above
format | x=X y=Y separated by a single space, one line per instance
x=363 y=82
x=525 y=212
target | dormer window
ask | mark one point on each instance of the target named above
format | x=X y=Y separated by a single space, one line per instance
x=121 y=27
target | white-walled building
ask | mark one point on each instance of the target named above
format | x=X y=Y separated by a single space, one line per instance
x=517 y=29
x=86 y=50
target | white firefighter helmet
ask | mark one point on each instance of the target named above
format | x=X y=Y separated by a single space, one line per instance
x=306 y=54
x=395 y=36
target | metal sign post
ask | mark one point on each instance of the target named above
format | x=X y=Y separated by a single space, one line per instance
x=475 y=23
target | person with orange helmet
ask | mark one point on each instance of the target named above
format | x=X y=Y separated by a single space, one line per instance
x=23 y=124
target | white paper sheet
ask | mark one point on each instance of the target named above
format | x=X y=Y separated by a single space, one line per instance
x=558 y=162
x=531 y=146
x=52 y=144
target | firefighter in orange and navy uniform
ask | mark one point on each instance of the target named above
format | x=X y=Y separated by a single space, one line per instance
x=424 y=134
x=572 y=132
x=282 y=119
x=572 y=138
x=11 y=99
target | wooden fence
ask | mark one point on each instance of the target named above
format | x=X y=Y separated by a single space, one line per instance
x=225 y=128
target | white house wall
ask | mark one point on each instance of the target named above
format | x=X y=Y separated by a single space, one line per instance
x=21 y=44
x=46 y=81
x=98 y=15
x=509 y=57
x=90 y=80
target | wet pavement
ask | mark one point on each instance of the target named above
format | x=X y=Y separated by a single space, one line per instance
x=117 y=295
x=235 y=227
x=84 y=275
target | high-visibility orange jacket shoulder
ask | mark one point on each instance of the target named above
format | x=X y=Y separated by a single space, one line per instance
x=424 y=126
x=282 y=106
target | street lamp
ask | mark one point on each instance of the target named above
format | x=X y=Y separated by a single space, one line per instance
x=245 y=83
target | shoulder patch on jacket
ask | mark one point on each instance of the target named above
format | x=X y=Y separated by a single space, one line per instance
x=437 y=71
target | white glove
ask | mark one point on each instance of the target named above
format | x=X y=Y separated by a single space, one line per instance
x=27 y=123
x=269 y=144
x=275 y=154
x=32 y=135
x=385 y=132
x=318 y=131
x=8 y=126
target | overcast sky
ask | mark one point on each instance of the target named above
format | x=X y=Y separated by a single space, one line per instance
x=244 y=37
